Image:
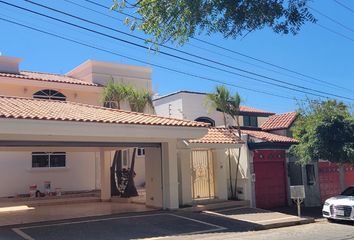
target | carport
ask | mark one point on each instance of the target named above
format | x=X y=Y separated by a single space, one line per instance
x=42 y=125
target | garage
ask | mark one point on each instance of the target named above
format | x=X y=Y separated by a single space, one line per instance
x=329 y=180
x=270 y=181
x=32 y=125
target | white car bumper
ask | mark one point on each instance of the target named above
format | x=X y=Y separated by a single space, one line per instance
x=340 y=212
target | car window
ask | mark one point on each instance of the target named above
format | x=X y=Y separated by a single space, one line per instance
x=348 y=192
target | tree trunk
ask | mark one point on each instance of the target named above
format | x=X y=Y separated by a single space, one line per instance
x=230 y=170
x=130 y=190
x=238 y=156
x=230 y=173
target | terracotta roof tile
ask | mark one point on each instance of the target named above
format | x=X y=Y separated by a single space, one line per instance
x=269 y=137
x=245 y=109
x=47 y=77
x=28 y=108
x=279 y=121
x=219 y=136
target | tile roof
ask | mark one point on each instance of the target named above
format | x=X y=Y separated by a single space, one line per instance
x=245 y=109
x=47 y=77
x=28 y=108
x=269 y=137
x=279 y=121
x=219 y=136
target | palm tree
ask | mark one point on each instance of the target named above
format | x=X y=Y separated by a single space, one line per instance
x=229 y=105
x=234 y=112
x=114 y=94
x=221 y=101
x=139 y=100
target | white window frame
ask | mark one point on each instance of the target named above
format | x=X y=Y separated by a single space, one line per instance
x=49 y=154
x=140 y=152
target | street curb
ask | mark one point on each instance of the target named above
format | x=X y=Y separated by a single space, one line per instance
x=285 y=224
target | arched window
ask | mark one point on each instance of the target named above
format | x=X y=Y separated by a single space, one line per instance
x=206 y=120
x=50 y=94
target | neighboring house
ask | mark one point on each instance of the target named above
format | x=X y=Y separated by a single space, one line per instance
x=263 y=165
x=195 y=106
x=321 y=179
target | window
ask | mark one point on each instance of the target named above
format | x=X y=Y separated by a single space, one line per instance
x=50 y=95
x=250 y=121
x=48 y=159
x=206 y=120
x=310 y=173
x=141 y=152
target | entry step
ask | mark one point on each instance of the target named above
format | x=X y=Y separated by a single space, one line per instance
x=205 y=205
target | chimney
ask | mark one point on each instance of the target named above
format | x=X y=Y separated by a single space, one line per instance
x=9 y=64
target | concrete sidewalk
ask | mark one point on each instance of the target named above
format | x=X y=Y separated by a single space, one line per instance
x=262 y=219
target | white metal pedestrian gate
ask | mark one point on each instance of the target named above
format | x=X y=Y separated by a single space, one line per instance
x=202 y=175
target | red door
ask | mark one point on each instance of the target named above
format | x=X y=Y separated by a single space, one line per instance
x=329 y=180
x=269 y=168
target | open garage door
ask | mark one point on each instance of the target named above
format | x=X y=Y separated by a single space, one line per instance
x=270 y=185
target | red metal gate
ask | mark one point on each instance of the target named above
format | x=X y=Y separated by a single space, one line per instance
x=329 y=180
x=270 y=186
x=348 y=175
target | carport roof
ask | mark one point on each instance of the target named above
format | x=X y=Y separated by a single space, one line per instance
x=36 y=109
x=219 y=136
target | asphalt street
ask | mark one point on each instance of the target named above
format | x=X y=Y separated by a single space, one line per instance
x=170 y=225
x=316 y=231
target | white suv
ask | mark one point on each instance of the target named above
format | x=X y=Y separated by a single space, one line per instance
x=340 y=207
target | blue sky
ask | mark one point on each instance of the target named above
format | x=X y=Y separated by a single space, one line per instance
x=314 y=51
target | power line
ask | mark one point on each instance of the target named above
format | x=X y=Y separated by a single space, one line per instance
x=236 y=52
x=138 y=60
x=305 y=89
x=344 y=6
x=335 y=32
x=199 y=47
x=93 y=10
x=177 y=50
x=332 y=19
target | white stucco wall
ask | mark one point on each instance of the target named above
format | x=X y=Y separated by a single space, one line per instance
x=244 y=179
x=16 y=173
x=102 y=72
x=153 y=177
x=188 y=105
x=170 y=107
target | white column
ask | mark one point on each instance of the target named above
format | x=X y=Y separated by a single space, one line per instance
x=220 y=173
x=153 y=177
x=170 y=175
x=185 y=176
x=105 y=164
